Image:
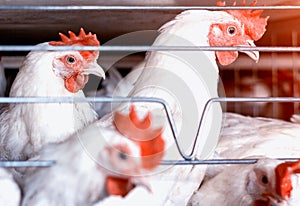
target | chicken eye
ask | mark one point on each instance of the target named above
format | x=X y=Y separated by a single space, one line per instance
x=122 y=156
x=264 y=179
x=231 y=30
x=70 y=59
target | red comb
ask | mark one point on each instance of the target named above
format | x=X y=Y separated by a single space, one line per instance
x=82 y=39
x=255 y=26
x=150 y=140
x=283 y=178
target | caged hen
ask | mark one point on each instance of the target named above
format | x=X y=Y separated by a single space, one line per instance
x=248 y=137
x=265 y=183
x=186 y=80
x=25 y=128
x=178 y=76
x=96 y=162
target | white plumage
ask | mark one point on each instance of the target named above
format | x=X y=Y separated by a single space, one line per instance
x=25 y=128
x=10 y=193
x=246 y=136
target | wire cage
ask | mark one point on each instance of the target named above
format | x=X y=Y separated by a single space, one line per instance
x=269 y=88
x=275 y=75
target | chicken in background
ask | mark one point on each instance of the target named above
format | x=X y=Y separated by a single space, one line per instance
x=108 y=88
x=246 y=85
x=2 y=80
x=267 y=182
x=262 y=83
x=166 y=75
x=96 y=162
x=10 y=193
x=25 y=128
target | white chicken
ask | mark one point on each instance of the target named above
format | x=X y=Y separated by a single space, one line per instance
x=96 y=162
x=246 y=137
x=267 y=182
x=25 y=128
x=186 y=80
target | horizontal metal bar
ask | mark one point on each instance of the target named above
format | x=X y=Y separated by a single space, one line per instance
x=219 y=161
x=14 y=62
x=78 y=99
x=283 y=60
x=103 y=99
x=137 y=99
x=170 y=119
x=155 y=8
x=234 y=99
x=148 y=48
x=187 y=157
x=27 y=163
x=255 y=99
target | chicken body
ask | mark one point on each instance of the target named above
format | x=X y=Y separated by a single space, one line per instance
x=258 y=136
x=186 y=80
x=85 y=164
x=25 y=128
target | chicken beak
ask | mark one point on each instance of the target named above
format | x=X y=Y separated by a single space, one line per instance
x=252 y=54
x=95 y=69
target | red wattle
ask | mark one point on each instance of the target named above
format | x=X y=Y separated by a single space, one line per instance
x=118 y=186
x=76 y=82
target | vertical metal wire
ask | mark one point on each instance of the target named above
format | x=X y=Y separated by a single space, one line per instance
x=236 y=89
x=275 y=92
x=295 y=71
x=255 y=107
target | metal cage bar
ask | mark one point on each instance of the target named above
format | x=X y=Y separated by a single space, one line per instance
x=150 y=48
x=187 y=157
x=96 y=7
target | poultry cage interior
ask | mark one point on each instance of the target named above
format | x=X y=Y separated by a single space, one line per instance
x=276 y=74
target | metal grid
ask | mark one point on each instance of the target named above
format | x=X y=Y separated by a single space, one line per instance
x=187 y=158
